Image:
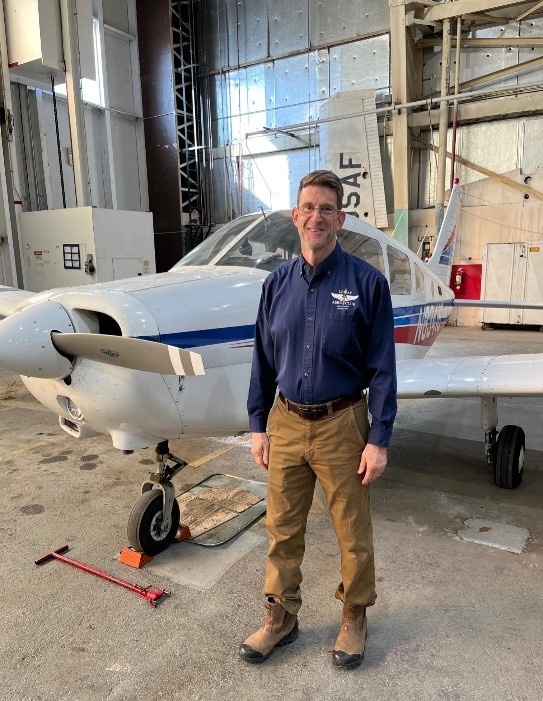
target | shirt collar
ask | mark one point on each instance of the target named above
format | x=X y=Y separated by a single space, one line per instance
x=326 y=267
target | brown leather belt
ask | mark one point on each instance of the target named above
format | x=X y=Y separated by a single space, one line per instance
x=318 y=411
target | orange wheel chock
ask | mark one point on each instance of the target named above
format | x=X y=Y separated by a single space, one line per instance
x=134 y=558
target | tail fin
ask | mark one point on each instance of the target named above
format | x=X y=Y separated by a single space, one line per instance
x=441 y=261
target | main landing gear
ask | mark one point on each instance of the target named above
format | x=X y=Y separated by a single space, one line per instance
x=155 y=517
x=504 y=450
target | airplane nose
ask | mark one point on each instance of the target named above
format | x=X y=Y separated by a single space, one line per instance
x=26 y=347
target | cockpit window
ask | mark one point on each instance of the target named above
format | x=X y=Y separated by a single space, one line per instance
x=363 y=247
x=270 y=240
x=400 y=272
x=205 y=252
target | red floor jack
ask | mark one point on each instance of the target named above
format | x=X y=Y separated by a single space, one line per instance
x=152 y=594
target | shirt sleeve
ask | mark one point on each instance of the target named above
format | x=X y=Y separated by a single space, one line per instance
x=263 y=383
x=381 y=366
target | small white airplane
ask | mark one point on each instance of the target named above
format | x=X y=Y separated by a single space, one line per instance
x=127 y=358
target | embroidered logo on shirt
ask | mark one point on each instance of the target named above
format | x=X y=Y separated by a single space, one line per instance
x=344 y=299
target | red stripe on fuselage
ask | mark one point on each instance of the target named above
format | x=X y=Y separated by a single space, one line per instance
x=407 y=334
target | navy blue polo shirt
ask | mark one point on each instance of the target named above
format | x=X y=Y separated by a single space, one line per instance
x=323 y=335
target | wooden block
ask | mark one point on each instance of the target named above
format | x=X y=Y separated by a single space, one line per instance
x=133 y=558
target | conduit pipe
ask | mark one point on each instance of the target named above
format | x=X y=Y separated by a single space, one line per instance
x=443 y=122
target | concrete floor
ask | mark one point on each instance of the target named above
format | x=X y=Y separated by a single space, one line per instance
x=454 y=620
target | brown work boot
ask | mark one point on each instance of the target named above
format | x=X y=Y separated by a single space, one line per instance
x=280 y=628
x=348 y=651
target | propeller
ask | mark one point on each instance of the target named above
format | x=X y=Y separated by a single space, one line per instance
x=133 y=353
x=40 y=341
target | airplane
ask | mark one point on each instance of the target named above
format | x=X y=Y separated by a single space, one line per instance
x=158 y=357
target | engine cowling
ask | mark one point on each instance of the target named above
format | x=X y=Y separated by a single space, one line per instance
x=25 y=341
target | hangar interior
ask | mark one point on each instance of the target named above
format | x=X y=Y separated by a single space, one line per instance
x=199 y=111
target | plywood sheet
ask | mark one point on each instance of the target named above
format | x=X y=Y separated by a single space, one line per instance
x=218 y=508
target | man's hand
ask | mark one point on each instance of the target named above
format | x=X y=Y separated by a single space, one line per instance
x=372 y=463
x=260 y=449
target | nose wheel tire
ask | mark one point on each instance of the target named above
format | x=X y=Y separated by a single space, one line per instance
x=145 y=532
x=509 y=457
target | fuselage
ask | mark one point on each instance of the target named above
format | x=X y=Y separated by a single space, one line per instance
x=208 y=303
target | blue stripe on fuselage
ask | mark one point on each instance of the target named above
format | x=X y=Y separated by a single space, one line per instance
x=403 y=316
x=207 y=337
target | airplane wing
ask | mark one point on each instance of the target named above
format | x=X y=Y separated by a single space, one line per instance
x=487 y=376
x=496 y=304
x=10 y=298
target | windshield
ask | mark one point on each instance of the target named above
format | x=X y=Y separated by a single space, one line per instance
x=271 y=241
x=206 y=251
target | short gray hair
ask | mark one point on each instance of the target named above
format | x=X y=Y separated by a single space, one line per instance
x=322 y=178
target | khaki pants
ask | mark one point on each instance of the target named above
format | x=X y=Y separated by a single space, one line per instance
x=327 y=450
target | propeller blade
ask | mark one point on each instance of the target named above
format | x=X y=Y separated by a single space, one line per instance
x=133 y=353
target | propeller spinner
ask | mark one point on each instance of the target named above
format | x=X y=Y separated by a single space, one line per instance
x=26 y=347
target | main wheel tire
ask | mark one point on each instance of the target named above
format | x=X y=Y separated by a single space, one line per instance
x=509 y=457
x=145 y=523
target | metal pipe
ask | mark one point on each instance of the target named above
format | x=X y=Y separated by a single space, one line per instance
x=70 y=45
x=455 y=104
x=8 y=167
x=428 y=102
x=443 y=123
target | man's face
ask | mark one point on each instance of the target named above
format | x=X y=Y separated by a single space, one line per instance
x=317 y=229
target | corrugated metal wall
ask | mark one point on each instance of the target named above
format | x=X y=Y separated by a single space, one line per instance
x=272 y=64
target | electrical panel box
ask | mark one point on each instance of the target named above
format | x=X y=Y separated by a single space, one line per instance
x=513 y=272
x=64 y=247
x=34 y=39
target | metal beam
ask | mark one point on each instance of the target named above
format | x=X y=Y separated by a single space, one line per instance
x=484 y=18
x=6 y=156
x=496 y=75
x=400 y=142
x=70 y=44
x=449 y=10
x=529 y=11
x=110 y=181
x=503 y=179
x=495 y=42
x=443 y=123
x=494 y=108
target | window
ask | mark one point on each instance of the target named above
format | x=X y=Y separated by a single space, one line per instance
x=400 y=272
x=363 y=247
x=419 y=279
x=91 y=90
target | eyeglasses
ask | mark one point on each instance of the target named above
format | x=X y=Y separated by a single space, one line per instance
x=325 y=211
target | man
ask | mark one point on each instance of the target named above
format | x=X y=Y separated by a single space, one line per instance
x=324 y=335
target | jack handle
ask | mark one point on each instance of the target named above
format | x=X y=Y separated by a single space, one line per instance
x=152 y=594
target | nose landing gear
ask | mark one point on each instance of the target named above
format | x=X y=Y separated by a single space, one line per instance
x=155 y=517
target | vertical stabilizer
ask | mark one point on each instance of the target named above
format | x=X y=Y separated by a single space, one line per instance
x=441 y=261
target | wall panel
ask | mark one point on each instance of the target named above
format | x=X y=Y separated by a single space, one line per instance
x=342 y=20
x=116 y=14
x=119 y=71
x=125 y=154
x=288 y=26
x=363 y=65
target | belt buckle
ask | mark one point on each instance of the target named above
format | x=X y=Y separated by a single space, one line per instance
x=304 y=411
x=313 y=413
